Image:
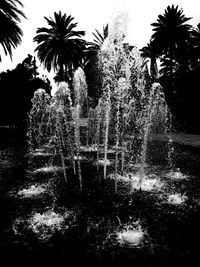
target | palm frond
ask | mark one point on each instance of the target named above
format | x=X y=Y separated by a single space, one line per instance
x=10 y=32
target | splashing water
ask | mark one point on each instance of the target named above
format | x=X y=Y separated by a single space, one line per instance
x=80 y=90
x=176 y=199
x=119 y=61
x=176 y=175
x=130 y=237
x=155 y=114
x=38 y=130
x=136 y=183
x=46 y=224
x=103 y=163
x=33 y=190
x=48 y=169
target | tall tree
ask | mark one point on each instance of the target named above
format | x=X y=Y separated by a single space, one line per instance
x=10 y=32
x=172 y=33
x=60 y=47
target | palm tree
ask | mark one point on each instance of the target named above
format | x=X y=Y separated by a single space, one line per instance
x=171 y=33
x=151 y=51
x=60 y=47
x=10 y=32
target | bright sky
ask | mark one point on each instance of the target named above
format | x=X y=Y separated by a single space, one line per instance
x=91 y=15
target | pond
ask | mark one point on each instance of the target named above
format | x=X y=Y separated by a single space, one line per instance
x=46 y=222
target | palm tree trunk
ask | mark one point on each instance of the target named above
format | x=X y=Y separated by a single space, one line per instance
x=153 y=68
x=61 y=73
x=171 y=67
x=70 y=75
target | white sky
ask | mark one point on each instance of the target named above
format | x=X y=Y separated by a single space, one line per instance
x=91 y=15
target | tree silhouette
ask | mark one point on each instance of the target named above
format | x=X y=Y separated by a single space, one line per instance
x=17 y=89
x=10 y=32
x=171 y=33
x=60 y=47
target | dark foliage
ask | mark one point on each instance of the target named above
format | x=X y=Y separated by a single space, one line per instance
x=177 y=48
x=17 y=88
x=184 y=100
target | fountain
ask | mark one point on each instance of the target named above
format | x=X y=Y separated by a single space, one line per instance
x=118 y=130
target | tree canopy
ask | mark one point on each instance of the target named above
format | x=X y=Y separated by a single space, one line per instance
x=60 y=46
